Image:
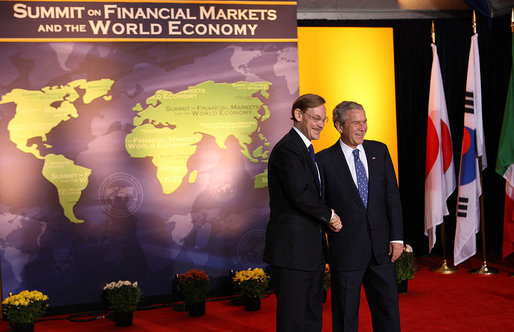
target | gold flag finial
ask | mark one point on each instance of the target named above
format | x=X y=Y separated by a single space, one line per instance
x=433 y=33
x=474 y=22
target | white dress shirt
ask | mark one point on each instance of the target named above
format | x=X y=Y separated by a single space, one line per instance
x=307 y=143
x=350 y=160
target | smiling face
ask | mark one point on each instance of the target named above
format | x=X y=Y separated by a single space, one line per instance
x=354 y=128
x=311 y=122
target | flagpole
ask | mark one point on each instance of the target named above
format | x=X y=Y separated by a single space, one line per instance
x=512 y=31
x=433 y=32
x=484 y=269
x=444 y=268
x=474 y=22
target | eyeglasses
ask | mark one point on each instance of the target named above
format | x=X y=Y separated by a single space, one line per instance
x=316 y=119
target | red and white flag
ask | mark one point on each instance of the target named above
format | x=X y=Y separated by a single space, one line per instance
x=439 y=166
x=473 y=147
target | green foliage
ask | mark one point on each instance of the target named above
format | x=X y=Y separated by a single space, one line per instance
x=326 y=278
x=123 y=296
x=194 y=285
x=405 y=265
x=25 y=307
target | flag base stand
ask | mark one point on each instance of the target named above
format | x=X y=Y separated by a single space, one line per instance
x=484 y=269
x=445 y=268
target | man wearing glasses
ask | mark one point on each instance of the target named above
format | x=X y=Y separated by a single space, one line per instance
x=294 y=246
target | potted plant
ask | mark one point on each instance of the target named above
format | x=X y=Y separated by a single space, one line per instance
x=405 y=268
x=23 y=308
x=194 y=287
x=124 y=297
x=251 y=284
x=326 y=282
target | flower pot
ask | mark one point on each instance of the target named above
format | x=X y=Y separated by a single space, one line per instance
x=22 y=327
x=252 y=303
x=196 y=309
x=402 y=286
x=237 y=300
x=123 y=318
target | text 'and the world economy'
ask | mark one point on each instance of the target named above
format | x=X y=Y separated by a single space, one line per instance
x=145 y=20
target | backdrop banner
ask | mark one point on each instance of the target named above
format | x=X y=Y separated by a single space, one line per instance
x=134 y=140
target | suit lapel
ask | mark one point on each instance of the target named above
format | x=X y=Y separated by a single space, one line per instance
x=307 y=157
x=343 y=172
x=372 y=164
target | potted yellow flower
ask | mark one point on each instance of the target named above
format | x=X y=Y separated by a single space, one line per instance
x=23 y=308
x=124 y=297
x=251 y=284
x=194 y=287
x=405 y=268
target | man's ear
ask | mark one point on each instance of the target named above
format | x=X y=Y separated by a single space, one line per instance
x=339 y=127
x=297 y=114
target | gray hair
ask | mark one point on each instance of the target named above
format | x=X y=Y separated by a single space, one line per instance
x=340 y=113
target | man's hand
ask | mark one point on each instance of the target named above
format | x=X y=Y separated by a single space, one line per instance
x=395 y=250
x=335 y=223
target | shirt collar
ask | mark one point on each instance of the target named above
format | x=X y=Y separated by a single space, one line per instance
x=305 y=140
x=348 y=150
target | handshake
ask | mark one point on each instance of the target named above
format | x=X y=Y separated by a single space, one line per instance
x=335 y=222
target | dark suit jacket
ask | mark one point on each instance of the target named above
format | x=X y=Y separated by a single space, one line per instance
x=294 y=234
x=368 y=231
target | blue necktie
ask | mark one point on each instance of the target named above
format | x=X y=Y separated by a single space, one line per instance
x=362 y=179
x=313 y=157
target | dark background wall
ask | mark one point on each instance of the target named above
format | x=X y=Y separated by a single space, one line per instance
x=413 y=60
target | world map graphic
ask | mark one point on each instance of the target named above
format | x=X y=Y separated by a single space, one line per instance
x=136 y=161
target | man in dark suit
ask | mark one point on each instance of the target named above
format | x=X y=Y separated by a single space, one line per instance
x=363 y=252
x=295 y=232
